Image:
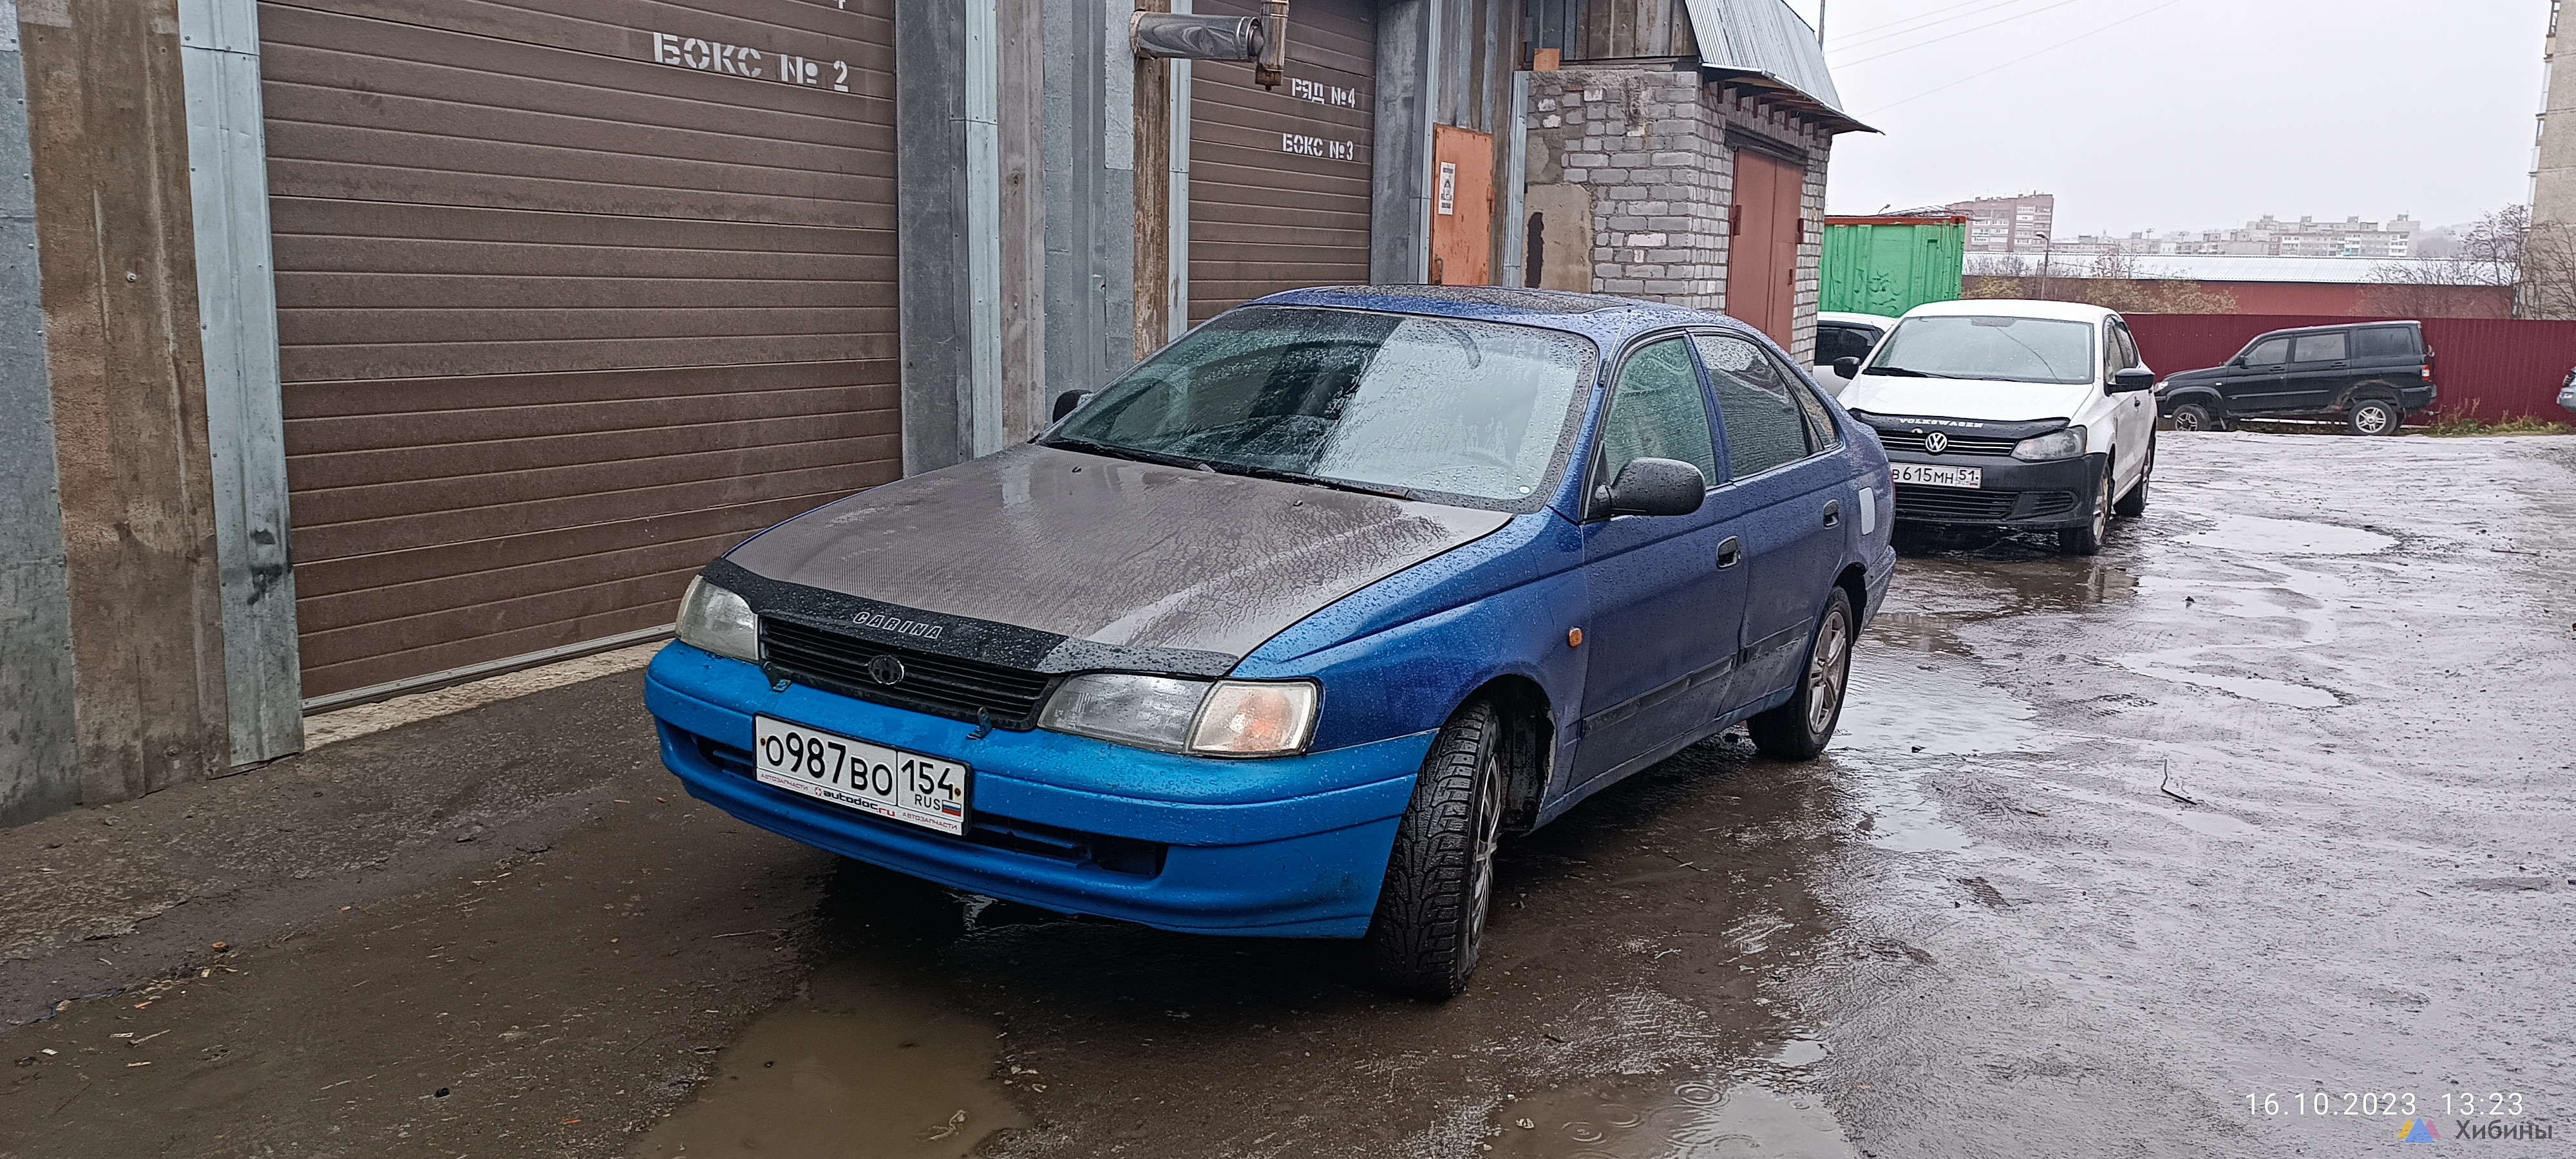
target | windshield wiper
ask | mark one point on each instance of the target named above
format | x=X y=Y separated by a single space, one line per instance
x=1313 y=480
x=1903 y=372
x=1157 y=458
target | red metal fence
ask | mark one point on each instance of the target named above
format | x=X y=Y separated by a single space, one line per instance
x=2488 y=368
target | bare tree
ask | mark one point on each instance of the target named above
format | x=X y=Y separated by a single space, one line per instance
x=2466 y=280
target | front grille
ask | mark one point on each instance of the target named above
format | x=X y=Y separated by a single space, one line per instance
x=945 y=685
x=1122 y=855
x=1953 y=503
x=1912 y=441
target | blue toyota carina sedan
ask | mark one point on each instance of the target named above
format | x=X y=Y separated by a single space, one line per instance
x=1280 y=632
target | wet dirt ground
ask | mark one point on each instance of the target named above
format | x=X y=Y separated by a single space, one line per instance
x=2271 y=800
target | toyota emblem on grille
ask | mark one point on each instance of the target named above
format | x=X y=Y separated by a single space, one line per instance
x=1936 y=442
x=886 y=670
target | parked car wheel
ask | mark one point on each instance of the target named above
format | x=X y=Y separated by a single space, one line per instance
x=2134 y=503
x=2374 y=416
x=1430 y=919
x=1800 y=729
x=2087 y=540
x=2192 y=416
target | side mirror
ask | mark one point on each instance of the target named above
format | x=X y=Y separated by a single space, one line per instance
x=1069 y=402
x=1847 y=367
x=2135 y=378
x=1657 y=487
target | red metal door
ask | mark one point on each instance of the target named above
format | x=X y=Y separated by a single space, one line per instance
x=1762 y=254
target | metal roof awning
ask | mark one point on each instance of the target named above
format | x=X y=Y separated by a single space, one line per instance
x=1763 y=44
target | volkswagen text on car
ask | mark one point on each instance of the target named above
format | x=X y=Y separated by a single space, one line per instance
x=1281 y=631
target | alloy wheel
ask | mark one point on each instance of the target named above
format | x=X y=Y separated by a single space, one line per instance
x=1826 y=674
x=1487 y=837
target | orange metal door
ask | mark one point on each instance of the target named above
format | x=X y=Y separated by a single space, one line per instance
x=1462 y=209
x=1762 y=251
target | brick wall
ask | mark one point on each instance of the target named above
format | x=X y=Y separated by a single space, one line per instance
x=1634 y=167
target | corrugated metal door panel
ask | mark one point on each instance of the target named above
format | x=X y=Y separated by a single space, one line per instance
x=573 y=295
x=1279 y=180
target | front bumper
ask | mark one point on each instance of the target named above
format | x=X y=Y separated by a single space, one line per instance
x=1287 y=847
x=2027 y=496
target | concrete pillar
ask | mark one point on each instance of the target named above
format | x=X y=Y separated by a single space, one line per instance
x=39 y=763
x=1089 y=157
x=1408 y=51
x=949 y=229
x=119 y=281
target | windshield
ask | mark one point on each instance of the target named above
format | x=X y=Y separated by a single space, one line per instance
x=1470 y=410
x=2003 y=349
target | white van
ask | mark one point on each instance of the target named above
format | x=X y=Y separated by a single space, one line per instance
x=2012 y=414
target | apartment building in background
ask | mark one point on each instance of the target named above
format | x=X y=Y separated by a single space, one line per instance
x=2008 y=225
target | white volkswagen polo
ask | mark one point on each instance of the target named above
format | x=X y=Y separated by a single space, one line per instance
x=2014 y=414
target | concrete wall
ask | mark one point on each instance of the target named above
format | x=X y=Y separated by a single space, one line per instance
x=1634 y=168
x=39 y=764
x=118 y=268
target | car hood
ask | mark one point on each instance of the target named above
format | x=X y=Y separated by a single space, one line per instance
x=2198 y=375
x=1058 y=561
x=1965 y=398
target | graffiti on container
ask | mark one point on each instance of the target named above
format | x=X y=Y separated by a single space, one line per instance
x=1302 y=145
x=736 y=60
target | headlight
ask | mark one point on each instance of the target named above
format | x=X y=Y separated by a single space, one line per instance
x=2065 y=444
x=1235 y=718
x=719 y=621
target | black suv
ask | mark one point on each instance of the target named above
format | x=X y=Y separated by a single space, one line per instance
x=2369 y=374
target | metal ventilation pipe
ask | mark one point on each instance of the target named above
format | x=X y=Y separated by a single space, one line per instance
x=1262 y=40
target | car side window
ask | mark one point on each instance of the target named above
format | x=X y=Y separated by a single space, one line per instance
x=1757 y=400
x=1835 y=341
x=1658 y=412
x=2128 y=346
x=2330 y=346
x=2383 y=342
x=2268 y=352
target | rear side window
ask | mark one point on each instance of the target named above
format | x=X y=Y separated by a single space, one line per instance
x=2384 y=342
x=2332 y=346
x=1758 y=400
x=1835 y=341
x=2268 y=352
x=1658 y=413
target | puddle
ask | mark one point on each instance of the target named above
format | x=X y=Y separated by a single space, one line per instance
x=1645 y=1119
x=1798 y=1052
x=1901 y=705
x=2280 y=692
x=858 y=1065
x=1898 y=816
x=2257 y=535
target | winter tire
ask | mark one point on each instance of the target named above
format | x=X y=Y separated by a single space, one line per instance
x=1800 y=729
x=2087 y=540
x=2374 y=416
x=2134 y=504
x=2192 y=416
x=1430 y=919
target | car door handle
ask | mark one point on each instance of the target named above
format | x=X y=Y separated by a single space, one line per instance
x=1833 y=512
x=1731 y=552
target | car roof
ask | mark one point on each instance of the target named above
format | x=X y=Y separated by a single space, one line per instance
x=1606 y=319
x=1854 y=318
x=2340 y=326
x=2012 y=308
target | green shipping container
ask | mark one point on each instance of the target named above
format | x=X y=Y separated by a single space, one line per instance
x=1888 y=265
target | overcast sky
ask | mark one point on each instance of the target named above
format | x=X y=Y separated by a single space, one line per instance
x=2188 y=113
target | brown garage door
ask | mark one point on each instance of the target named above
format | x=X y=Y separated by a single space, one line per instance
x=1279 y=179
x=573 y=295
